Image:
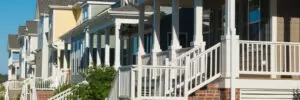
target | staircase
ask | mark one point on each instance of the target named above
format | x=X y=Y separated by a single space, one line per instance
x=14 y=94
x=194 y=70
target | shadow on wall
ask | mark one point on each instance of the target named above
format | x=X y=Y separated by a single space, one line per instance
x=296 y=94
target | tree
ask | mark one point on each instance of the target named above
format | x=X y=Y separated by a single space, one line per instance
x=97 y=85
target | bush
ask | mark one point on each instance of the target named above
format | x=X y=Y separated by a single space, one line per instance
x=62 y=88
x=98 y=83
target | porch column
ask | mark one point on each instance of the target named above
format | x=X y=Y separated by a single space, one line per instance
x=230 y=48
x=89 y=44
x=156 y=31
x=198 y=24
x=273 y=13
x=98 y=49
x=65 y=57
x=59 y=57
x=118 y=45
x=72 y=57
x=107 y=47
x=140 y=51
x=175 y=31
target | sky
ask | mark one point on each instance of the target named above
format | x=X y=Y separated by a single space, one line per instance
x=13 y=13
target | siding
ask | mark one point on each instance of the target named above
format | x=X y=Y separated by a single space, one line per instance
x=64 y=21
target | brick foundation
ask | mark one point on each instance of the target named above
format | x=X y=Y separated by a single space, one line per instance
x=44 y=95
x=212 y=92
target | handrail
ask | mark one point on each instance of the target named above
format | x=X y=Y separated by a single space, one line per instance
x=62 y=95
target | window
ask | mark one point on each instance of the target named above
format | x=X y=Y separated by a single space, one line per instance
x=148 y=42
x=85 y=13
x=257 y=20
x=15 y=56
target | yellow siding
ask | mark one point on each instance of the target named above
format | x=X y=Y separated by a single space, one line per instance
x=64 y=21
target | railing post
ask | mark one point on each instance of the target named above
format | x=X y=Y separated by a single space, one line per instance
x=132 y=80
x=273 y=59
x=186 y=77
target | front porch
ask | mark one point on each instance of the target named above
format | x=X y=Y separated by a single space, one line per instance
x=177 y=72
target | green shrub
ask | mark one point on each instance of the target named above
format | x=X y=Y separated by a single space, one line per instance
x=98 y=83
x=62 y=88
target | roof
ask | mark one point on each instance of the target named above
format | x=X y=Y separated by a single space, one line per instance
x=13 y=41
x=22 y=30
x=43 y=4
x=130 y=8
x=32 y=27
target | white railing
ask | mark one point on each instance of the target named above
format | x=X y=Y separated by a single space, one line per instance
x=157 y=82
x=44 y=84
x=184 y=51
x=65 y=95
x=146 y=59
x=203 y=68
x=124 y=84
x=25 y=92
x=113 y=94
x=269 y=58
x=15 y=85
x=161 y=58
x=191 y=53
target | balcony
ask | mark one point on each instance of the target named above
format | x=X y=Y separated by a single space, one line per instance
x=30 y=59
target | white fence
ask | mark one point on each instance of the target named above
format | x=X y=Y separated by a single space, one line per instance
x=15 y=85
x=269 y=58
x=44 y=84
x=65 y=95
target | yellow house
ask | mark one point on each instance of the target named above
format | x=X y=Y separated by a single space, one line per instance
x=61 y=20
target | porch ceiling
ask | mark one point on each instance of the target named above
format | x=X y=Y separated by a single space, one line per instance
x=188 y=3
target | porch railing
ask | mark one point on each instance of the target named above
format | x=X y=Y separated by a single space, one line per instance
x=269 y=58
x=65 y=95
x=44 y=83
x=146 y=59
x=162 y=57
x=15 y=85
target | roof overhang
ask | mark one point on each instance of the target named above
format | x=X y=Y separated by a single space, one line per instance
x=69 y=7
x=96 y=3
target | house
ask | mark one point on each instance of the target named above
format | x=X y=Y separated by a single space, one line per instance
x=83 y=36
x=28 y=38
x=13 y=60
x=172 y=49
x=13 y=84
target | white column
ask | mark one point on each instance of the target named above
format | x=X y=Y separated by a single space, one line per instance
x=89 y=46
x=140 y=47
x=273 y=13
x=175 y=31
x=58 y=58
x=156 y=31
x=98 y=49
x=72 y=58
x=117 y=46
x=175 y=45
x=65 y=56
x=230 y=47
x=107 y=47
x=175 y=25
x=198 y=24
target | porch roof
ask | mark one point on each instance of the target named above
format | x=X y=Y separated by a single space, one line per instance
x=13 y=42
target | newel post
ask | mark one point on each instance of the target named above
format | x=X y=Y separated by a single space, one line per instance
x=186 y=77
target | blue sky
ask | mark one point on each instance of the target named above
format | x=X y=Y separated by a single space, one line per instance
x=13 y=14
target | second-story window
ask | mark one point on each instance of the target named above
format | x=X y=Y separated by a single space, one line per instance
x=15 y=56
x=85 y=13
